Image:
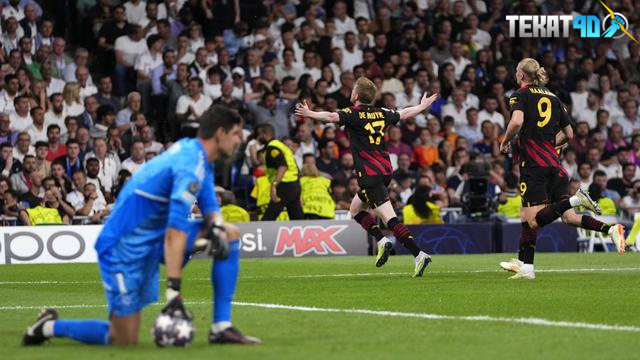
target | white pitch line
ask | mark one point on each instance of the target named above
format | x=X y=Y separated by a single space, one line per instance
x=475 y=318
x=313 y=276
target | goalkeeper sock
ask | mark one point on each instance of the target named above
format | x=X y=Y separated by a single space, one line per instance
x=403 y=235
x=89 y=331
x=224 y=276
x=369 y=224
x=590 y=223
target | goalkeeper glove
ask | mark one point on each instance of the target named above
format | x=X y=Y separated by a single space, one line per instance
x=175 y=306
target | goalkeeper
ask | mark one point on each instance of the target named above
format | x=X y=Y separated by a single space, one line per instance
x=149 y=225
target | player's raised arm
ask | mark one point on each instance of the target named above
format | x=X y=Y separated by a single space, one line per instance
x=413 y=111
x=324 y=116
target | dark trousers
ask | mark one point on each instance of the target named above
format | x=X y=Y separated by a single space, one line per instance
x=289 y=194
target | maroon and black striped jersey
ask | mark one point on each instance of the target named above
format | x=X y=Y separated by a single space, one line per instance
x=544 y=116
x=366 y=127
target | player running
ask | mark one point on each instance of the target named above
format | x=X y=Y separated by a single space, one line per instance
x=541 y=122
x=366 y=125
x=149 y=224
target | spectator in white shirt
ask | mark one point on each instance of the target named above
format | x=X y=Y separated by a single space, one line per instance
x=150 y=59
x=212 y=84
x=9 y=93
x=630 y=121
x=457 y=109
x=590 y=113
x=342 y=21
x=145 y=63
x=13 y=10
x=410 y=96
x=38 y=130
x=54 y=85
x=137 y=159
x=150 y=145
x=11 y=37
x=20 y=117
x=310 y=66
x=109 y=163
x=56 y=114
x=135 y=11
x=80 y=58
x=579 y=97
x=458 y=61
x=190 y=107
x=240 y=87
x=471 y=131
x=23 y=147
x=352 y=56
x=86 y=200
x=288 y=67
x=134 y=105
x=480 y=37
x=609 y=96
x=489 y=111
x=86 y=89
x=128 y=48
x=71 y=96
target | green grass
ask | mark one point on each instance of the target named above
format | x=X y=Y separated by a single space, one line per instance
x=449 y=288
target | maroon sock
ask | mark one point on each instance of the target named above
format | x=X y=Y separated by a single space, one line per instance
x=550 y=213
x=369 y=224
x=527 y=244
x=403 y=235
x=590 y=223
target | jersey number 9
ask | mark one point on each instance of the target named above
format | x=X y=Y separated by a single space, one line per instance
x=544 y=110
x=376 y=128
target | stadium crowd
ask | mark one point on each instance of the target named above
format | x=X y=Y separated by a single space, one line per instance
x=92 y=89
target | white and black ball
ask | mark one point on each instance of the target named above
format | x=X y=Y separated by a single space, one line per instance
x=171 y=330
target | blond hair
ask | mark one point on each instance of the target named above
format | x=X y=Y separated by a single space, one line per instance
x=366 y=90
x=533 y=71
x=309 y=170
x=69 y=92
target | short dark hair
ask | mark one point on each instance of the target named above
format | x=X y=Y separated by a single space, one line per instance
x=72 y=141
x=599 y=173
x=152 y=39
x=93 y=160
x=265 y=128
x=42 y=143
x=103 y=111
x=216 y=117
x=52 y=127
x=33 y=109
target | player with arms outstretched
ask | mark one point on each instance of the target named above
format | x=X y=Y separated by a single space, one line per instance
x=149 y=225
x=366 y=125
x=541 y=122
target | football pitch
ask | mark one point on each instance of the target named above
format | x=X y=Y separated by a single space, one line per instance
x=580 y=306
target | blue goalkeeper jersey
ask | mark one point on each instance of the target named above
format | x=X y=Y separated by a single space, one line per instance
x=160 y=195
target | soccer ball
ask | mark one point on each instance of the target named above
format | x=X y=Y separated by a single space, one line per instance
x=173 y=330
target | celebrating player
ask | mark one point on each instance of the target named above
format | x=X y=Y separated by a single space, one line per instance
x=541 y=122
x=149 y=222
x=366 y=125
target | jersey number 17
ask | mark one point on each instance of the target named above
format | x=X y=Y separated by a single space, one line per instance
x=376 y=130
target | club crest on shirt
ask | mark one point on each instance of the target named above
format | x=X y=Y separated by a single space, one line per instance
x=194 y=187
x=275 y=152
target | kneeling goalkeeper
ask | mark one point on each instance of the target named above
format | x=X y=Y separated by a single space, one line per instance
x=149 y=225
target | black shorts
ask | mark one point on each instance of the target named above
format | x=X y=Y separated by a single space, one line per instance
x=543 y=185
x=373 y=189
